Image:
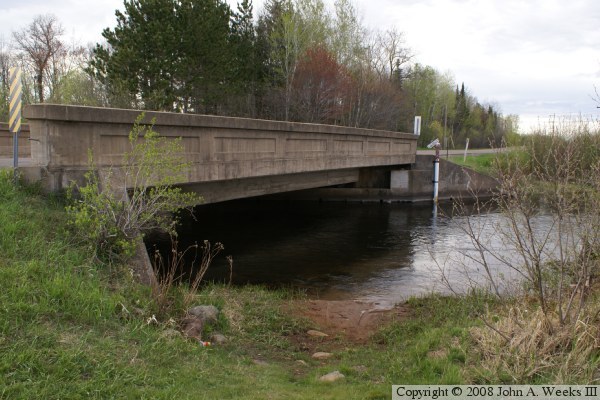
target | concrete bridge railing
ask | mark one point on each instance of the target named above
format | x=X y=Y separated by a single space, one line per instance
x=6 y=142
x=237 y=154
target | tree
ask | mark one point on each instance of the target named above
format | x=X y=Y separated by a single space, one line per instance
x=321 y=88
x=138 y=61
x=349 y=36
x=424 y=91
x=248 y=68
x=206 y=60
x=172 y=55
x=391 y=55
x=289 y=46
x=280 y=29
x=461 y=111
x=316 y=22
x=5 y=64
x=77 y=88
x=41 y=43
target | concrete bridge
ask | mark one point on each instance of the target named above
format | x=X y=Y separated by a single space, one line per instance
x=231 y=157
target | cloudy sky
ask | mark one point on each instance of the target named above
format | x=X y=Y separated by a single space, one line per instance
x=534 y=58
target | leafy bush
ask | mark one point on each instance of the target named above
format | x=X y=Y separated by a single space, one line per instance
x=117 y=205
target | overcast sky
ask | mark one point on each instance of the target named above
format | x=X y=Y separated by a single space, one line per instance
x=534 y=58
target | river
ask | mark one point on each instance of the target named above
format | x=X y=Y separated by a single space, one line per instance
x=334 y=251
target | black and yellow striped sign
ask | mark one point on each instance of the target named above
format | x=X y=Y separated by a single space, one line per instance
x=16 y=90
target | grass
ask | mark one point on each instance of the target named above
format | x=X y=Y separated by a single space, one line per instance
x=72 y=329
x=482 y=163
x=488 y=164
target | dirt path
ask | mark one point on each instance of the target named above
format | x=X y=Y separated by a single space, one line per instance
x=357 y=321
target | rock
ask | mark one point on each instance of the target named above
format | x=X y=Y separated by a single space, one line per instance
x=192 y=328
x=218 y=338
x=314 y=333
x=321 y=355
x=260 y=362
x=332 y=377
x=302 y=362
x=207 y=314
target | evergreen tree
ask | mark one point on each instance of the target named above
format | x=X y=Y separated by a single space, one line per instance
x=172 y=55
x=248 y=64
x=207 y=60
x=461 y=113
x=138 y=61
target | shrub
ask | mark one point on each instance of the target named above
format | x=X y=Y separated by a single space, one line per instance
x=117 y=205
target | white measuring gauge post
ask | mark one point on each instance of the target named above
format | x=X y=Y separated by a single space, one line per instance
x=436 y=167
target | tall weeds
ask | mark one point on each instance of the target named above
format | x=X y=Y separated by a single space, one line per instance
x=173 y=271
x=556 y=181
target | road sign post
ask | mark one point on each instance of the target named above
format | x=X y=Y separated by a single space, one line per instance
x=15 y=97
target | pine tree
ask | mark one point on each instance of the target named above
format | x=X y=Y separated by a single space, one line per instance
x=138 y=61
x=172 y=55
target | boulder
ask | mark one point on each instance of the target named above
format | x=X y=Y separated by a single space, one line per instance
x=218 y=338
x=207 y=314
x=192 y=328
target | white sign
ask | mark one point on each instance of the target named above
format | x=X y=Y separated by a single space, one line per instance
x=418 y=125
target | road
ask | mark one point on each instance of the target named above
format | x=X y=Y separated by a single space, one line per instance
x=470 y=152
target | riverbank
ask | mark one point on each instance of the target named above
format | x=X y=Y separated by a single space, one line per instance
x=72 y=328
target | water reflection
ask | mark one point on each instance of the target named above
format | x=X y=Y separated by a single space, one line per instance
x=335 y=250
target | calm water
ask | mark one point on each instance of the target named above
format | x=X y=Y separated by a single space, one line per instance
x=338 y=251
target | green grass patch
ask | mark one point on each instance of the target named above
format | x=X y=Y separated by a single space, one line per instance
x=482 y=163
x=490 y=164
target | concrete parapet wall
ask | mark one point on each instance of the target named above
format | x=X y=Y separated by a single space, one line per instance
x=219 y=148
x=6 y=142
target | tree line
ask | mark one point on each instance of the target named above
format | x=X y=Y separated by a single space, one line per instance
x=298 y=60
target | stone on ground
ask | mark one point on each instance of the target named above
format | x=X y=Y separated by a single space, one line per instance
x=320 y=355
x=207 y=314
x=332 y=377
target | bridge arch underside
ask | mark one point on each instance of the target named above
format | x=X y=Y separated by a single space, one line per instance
x=225 y=190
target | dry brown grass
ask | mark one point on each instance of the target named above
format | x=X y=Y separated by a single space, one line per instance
x=528 y=344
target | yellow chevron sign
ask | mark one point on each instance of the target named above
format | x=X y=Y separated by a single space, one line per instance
x=16 y=90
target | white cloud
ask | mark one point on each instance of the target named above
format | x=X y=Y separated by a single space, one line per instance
x=83 y=21
x=534 y=58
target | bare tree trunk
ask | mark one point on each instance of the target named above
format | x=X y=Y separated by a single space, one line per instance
x=39 y=83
